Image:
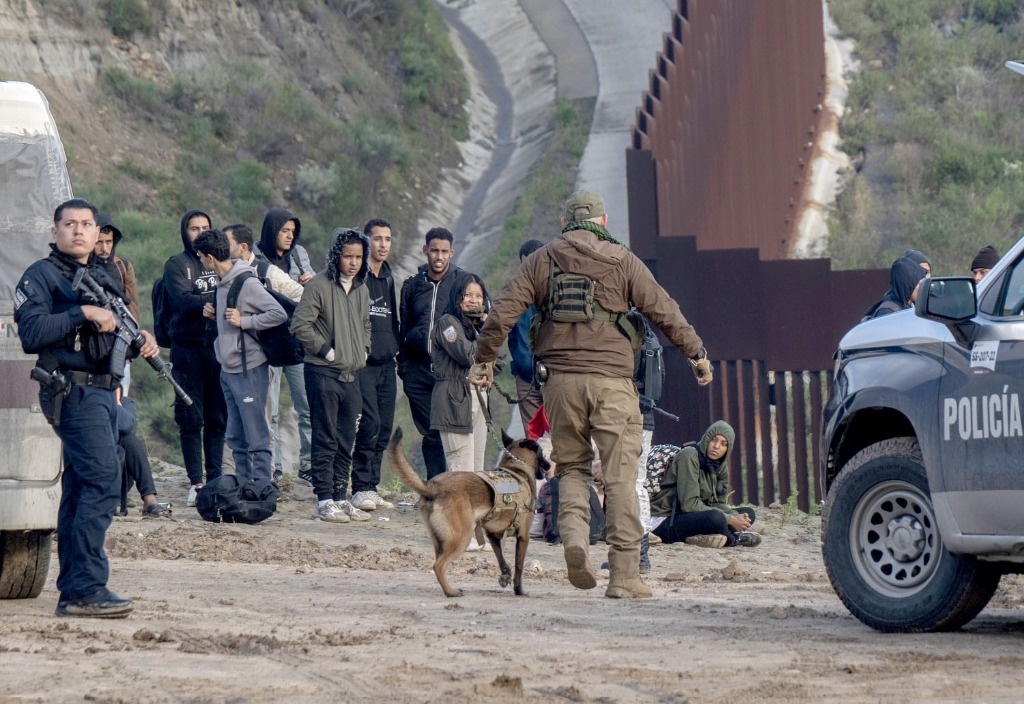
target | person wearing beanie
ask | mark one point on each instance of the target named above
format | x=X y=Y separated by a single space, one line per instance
x=983 y=262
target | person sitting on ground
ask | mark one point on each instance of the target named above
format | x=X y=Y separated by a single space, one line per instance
x=983 y=262
x=690 y=503
x=134 y=460
x=905 y=275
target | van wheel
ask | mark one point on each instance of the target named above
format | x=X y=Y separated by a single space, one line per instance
x=24 y=563
x=883 y=552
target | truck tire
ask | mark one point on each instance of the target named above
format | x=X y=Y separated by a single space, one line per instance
x=883 y=552
x=24 y=563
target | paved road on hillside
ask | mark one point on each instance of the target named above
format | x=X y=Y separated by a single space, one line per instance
x=619 y=47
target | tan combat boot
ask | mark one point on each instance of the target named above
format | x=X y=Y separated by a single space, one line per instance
x=581 y=571
x=625 y=582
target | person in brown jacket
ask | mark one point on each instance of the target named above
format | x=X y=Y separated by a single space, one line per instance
x=588 y=361
x=121 y=271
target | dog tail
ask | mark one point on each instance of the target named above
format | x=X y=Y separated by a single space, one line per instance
x=405 y=471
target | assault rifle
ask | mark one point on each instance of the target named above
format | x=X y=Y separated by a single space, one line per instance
x=128 y=333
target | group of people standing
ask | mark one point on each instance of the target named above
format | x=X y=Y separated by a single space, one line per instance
x=442 y=341
x=908 y=271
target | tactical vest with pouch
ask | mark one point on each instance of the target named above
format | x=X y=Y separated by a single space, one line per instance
x=571 y=300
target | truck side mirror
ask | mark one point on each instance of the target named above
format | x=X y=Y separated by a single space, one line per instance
x=952 y=301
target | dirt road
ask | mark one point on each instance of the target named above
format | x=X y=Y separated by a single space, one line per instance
x=302 y=611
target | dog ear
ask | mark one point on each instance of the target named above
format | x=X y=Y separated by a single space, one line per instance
x=542 y=464
x=506 y=440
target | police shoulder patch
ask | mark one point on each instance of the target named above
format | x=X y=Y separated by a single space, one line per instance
x=450 y=333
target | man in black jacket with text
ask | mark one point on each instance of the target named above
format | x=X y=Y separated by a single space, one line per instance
x=426 y=296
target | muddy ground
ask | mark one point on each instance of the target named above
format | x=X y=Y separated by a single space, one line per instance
x=303 y=611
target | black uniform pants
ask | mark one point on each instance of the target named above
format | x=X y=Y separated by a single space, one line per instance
x=91 y=487
x=378 y=385
x=686 y=525
x=418 y=384
x=201 y=425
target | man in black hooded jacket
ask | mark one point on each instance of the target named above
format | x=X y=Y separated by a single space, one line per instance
x=279 y=244
x=190 y=288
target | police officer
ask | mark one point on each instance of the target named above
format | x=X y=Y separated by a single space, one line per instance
x=589 y=391
x=75 y=340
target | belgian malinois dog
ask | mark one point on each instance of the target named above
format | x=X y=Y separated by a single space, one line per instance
x=454 y=503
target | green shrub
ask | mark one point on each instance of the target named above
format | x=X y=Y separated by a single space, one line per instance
x=378 y=145
x=996 y=11
x=126 y=17
x=315 y=185
x=248 y=187
x=139 y=92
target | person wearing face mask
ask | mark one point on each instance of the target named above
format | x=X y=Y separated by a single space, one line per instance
x=690 y=504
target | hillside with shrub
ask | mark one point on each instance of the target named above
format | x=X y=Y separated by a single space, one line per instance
x=941 y=122
x=338 y=110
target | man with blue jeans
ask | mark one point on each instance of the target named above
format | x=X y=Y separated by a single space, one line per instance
x=279 y=244
x=244 y=374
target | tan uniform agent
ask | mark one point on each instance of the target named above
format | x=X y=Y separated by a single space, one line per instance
x=589 y=392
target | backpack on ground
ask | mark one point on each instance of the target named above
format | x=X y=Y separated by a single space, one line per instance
x=650 y=373
x=226 y=500
x=161 y=313
x=280 y=347
x=548 y=501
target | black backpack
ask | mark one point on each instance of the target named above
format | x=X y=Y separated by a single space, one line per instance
x=280 y=347
x=161 y=313
x=549 y=505
x=225 y=500
x=650 y=371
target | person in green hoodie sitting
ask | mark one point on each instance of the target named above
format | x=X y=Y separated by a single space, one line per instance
x=690 y=502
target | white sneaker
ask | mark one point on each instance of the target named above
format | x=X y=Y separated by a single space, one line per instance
x=331 y=512
x=363 y=501
x=193 y=492
x=352 y=512
x=379 y=500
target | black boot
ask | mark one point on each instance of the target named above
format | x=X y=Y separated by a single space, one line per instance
x=645 y=560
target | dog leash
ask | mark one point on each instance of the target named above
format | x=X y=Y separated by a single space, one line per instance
x=490 y=428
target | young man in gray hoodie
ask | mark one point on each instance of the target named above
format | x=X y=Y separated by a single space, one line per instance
x=244 y=373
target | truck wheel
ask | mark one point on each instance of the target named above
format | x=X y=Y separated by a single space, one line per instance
x=882 y=548
x=24 y=562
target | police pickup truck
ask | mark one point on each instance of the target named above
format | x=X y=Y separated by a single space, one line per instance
x=33 y=181
x=923 y=454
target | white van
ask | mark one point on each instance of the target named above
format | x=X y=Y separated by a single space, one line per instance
x=33 y=182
